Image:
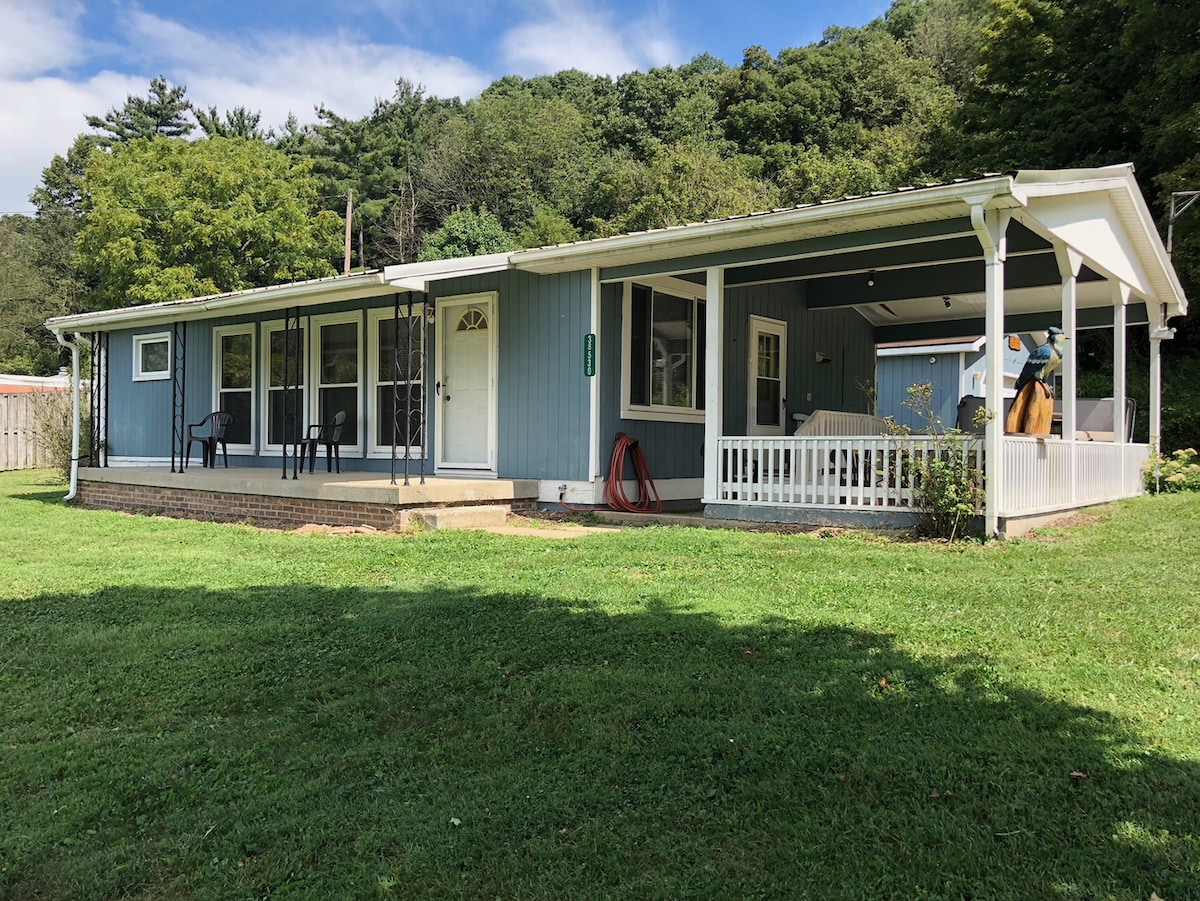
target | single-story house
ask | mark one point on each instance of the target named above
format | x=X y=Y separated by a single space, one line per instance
x=509 y=376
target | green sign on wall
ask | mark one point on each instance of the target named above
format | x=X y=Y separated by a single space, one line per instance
x=589 y=354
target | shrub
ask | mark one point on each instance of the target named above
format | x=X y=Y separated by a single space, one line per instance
x=1178 y=472
x=947 y=480
x=52 y=416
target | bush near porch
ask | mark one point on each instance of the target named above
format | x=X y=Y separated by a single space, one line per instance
x=213 y=711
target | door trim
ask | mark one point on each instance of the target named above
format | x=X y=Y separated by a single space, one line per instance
x=444 y=317
x=760 y=325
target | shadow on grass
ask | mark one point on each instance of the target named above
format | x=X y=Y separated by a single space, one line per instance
x=360 y=743
x=52 y=493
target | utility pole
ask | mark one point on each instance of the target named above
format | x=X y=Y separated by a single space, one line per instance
x=349 y=218
x=1181 y=201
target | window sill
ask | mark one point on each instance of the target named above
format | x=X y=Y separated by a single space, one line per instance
x=662 y=414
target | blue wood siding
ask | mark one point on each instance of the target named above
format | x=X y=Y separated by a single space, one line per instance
x=140 y=413
x=543 y=395
x=898 y=374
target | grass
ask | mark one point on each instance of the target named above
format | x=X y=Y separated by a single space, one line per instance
x=195 y=710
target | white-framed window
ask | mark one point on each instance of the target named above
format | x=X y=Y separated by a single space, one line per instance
x=337 y=374
x=233 y=382
x=152 y=357
x=396 y=386
x=280 y=422
x=663 y=342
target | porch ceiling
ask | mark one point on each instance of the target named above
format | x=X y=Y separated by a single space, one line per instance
x=897 y=258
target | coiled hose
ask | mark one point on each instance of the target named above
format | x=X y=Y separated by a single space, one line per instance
x=648 y=500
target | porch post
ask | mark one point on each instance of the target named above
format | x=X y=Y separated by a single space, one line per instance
x=594 y=386
x=714 y=344
x=1120 y=297
x=1158 y=334
x=1069 y=264
x=990 y=228
x=1155 y=392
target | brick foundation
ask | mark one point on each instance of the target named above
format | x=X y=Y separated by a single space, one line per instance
x=261 y=509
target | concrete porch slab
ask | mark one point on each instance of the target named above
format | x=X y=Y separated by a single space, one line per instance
x=351 y=487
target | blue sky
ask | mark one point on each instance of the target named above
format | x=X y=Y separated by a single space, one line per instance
x=63 y=59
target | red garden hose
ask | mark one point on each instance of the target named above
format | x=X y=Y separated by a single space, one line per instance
x=648 y=500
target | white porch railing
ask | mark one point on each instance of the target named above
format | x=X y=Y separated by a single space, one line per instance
x=826 y=471
x=1040 y=475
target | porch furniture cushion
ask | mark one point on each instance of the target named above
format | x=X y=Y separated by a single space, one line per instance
x=325 y=434
x=208 y=433
x=1094 y=418
x=835 y=423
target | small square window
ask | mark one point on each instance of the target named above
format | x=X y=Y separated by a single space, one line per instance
x=151 y=357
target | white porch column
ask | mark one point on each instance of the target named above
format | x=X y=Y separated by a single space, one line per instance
x=990 y=227
x=1120 y=298
x=1069 y=264
x=1158 y=334
x=594 y=473
x=714 y=346
x=1156 y=390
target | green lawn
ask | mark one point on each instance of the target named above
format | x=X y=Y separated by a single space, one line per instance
x=203 y=710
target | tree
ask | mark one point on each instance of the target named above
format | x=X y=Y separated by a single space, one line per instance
x=467 y=233
x=168 y=219
x=376 y=158
x=680 y=184
x=26 y=301
x=512 y=153
x=238 y=122
x=163 y=113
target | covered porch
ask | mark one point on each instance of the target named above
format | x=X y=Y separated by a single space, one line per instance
x=996 y=256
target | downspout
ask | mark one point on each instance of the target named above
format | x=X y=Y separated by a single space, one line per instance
x=74 y=346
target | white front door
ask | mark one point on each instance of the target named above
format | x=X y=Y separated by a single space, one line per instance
x=767 y=407
x=464 y=391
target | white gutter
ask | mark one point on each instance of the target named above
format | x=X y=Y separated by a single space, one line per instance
x=693 y=238
x=417 y=276
x=298 y=293
x=74 y=345
x=910 y=350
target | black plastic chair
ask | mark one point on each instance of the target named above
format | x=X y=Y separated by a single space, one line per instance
x=208 y=433
x=326 y=434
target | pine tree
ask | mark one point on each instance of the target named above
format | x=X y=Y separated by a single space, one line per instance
x=164 y=113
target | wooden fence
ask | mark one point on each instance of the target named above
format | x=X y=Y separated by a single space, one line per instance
x=20 y=444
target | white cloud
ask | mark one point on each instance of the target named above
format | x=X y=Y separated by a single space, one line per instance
x=282 y=73
x=41 y=117
x=276 y=73
x=36 y=38
x=572 y=34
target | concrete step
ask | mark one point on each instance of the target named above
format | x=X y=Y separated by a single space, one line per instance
x=482 y=516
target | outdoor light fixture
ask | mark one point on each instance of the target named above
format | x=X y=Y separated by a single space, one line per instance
x=871 y=279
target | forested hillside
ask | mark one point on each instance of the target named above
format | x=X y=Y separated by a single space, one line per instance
x=158 y=199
